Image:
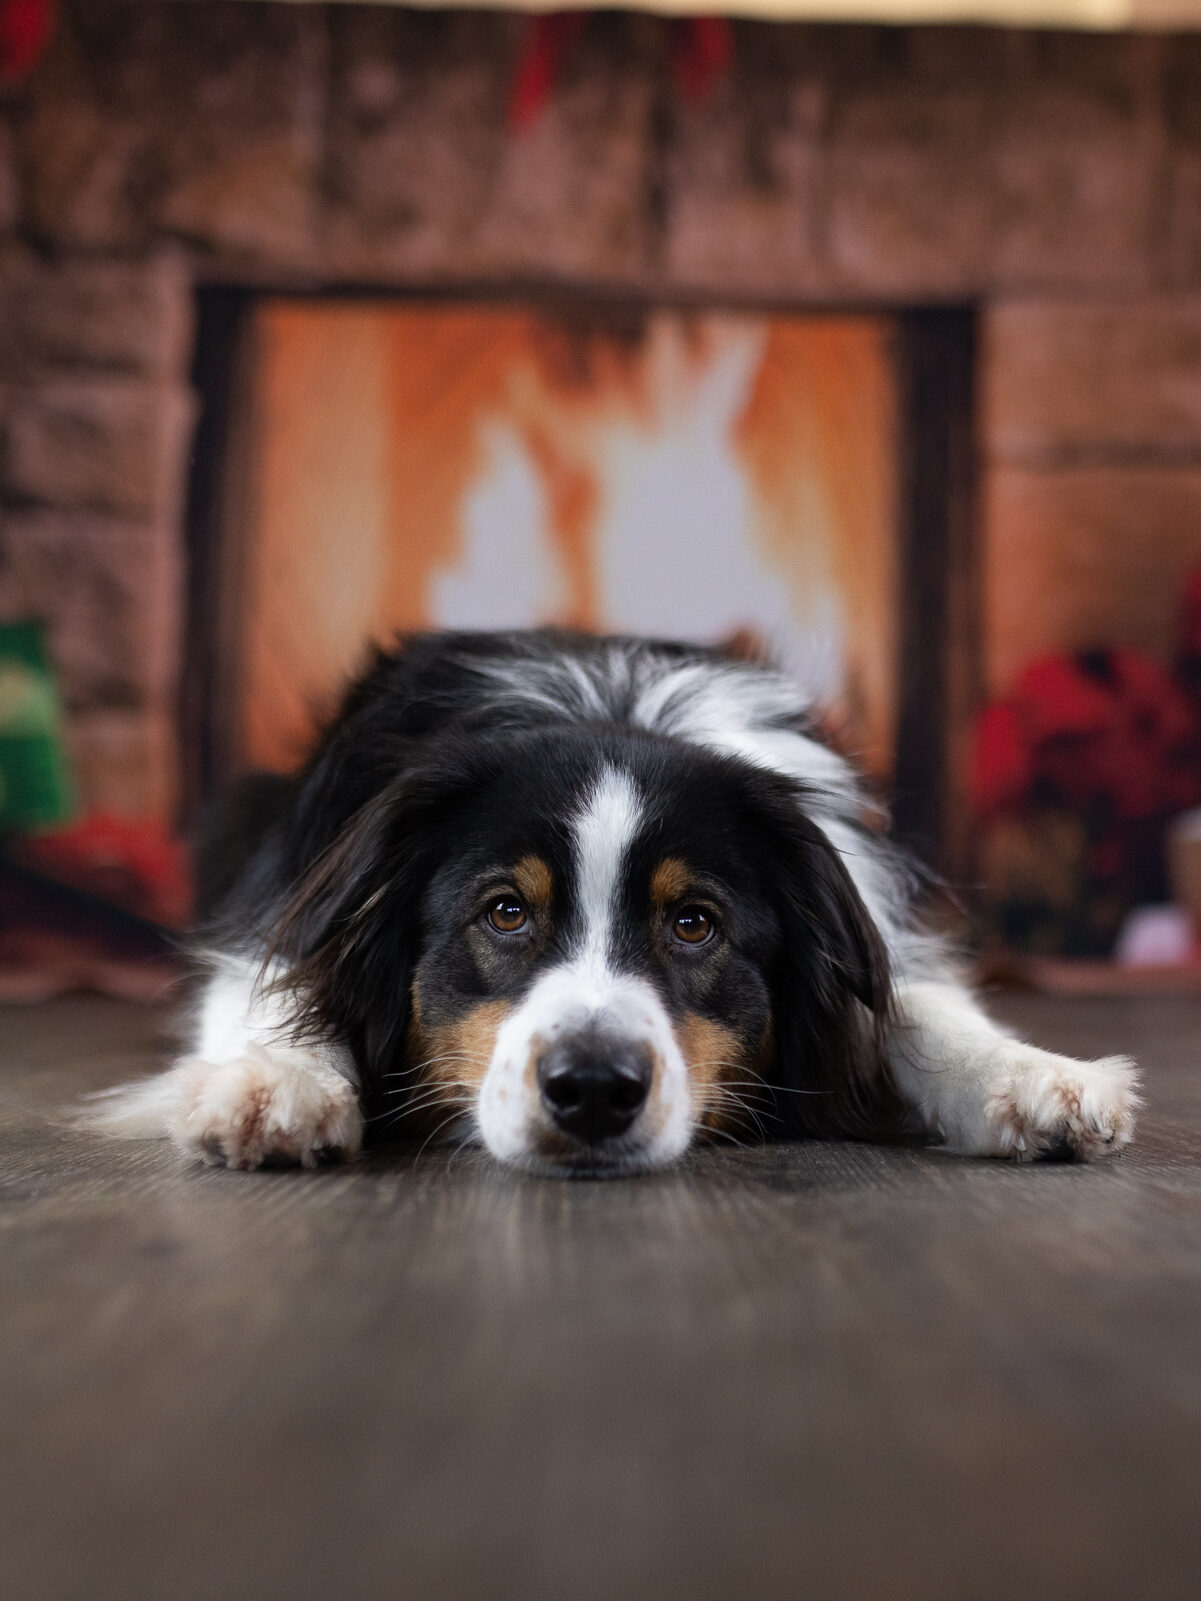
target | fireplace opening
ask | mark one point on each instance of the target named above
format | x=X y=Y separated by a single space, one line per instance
x=794 y=479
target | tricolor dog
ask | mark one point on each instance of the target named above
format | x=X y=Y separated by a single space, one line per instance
x=585 y=902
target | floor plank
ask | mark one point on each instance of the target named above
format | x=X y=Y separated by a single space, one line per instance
x=806 y=1370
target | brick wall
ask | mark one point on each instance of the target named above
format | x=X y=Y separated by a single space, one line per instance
x=1053 y=179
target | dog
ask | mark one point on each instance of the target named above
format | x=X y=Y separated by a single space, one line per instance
x=586 y=901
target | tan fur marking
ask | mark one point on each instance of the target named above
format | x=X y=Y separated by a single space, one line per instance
x=670 y=882
x=463 y=1049
x=533 y=879
x=454 y=1056
x=715 y=1056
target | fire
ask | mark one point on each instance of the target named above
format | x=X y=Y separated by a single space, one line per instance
x=667 y=472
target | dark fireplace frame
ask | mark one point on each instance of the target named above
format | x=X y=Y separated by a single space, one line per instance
x=939 y=674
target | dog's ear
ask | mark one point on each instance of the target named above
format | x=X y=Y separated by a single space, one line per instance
x=831 y=996
x=347 y=941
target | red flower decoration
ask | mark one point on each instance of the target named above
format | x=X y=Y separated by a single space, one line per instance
x=25 y=28
x=701 y=50
x=543 y=50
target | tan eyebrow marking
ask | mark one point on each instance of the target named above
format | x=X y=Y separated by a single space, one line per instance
x=533 y=879
x=670 y=882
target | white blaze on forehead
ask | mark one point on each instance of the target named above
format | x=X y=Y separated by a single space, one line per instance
x=604 y=830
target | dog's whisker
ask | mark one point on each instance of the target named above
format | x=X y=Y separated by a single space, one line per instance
x=746 y=1113
x=715 y=1131
x=772 y=1089
x=434 y=1087
x=721 y=1098
x=435 y=1061
x=468 y=1140
x=754 y=1083
x=431 y=1093
x=441 y=1096
x=446 y=1121
x=395 y=1118
x=396 y=1114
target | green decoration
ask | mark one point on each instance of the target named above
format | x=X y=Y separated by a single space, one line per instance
x=36 y=790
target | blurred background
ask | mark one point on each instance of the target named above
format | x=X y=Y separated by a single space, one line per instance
x=865 y=331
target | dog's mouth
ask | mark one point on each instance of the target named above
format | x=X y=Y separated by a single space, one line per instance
x=543 y=1148
x=557 y=1155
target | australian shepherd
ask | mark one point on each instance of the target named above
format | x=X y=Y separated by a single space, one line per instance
x=585 y=902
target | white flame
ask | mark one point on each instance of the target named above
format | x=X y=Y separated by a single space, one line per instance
x=510 y=575
x=674 y=542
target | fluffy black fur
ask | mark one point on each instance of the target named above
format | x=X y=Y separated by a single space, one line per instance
x=357 y=876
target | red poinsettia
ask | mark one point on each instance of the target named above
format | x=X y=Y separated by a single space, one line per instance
x=1106 y=728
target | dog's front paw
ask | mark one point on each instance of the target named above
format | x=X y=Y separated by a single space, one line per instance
x=264 y=1108
x=1047 y=1105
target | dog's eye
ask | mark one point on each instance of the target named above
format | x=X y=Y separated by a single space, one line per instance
x=693 y=925
x=507 y=915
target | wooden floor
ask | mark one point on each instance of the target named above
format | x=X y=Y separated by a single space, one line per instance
x=802 y=1371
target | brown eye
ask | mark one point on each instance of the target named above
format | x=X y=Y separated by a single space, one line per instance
x=693 y=925
x=507 y=915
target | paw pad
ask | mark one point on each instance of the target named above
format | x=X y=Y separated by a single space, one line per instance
x=1052 y=1107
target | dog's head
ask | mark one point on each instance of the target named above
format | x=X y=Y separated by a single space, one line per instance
x=590 y=947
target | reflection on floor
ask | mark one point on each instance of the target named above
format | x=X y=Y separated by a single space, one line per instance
x=797 y=1371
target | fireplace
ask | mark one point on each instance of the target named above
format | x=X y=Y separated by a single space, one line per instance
x=766 y=478
x=1010 y=216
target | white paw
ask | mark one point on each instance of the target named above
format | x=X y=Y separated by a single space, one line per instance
x=1044 y=1104
x=261 y=1108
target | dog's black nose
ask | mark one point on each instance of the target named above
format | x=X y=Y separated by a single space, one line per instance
x=594 y=1089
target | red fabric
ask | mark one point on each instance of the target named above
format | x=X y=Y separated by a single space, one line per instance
x=25 y=28
x=138 y=865
x=702 y=49
x=543 y=50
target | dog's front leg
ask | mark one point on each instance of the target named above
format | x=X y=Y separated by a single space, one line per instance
x=984 y=1093
x=248 y=1093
